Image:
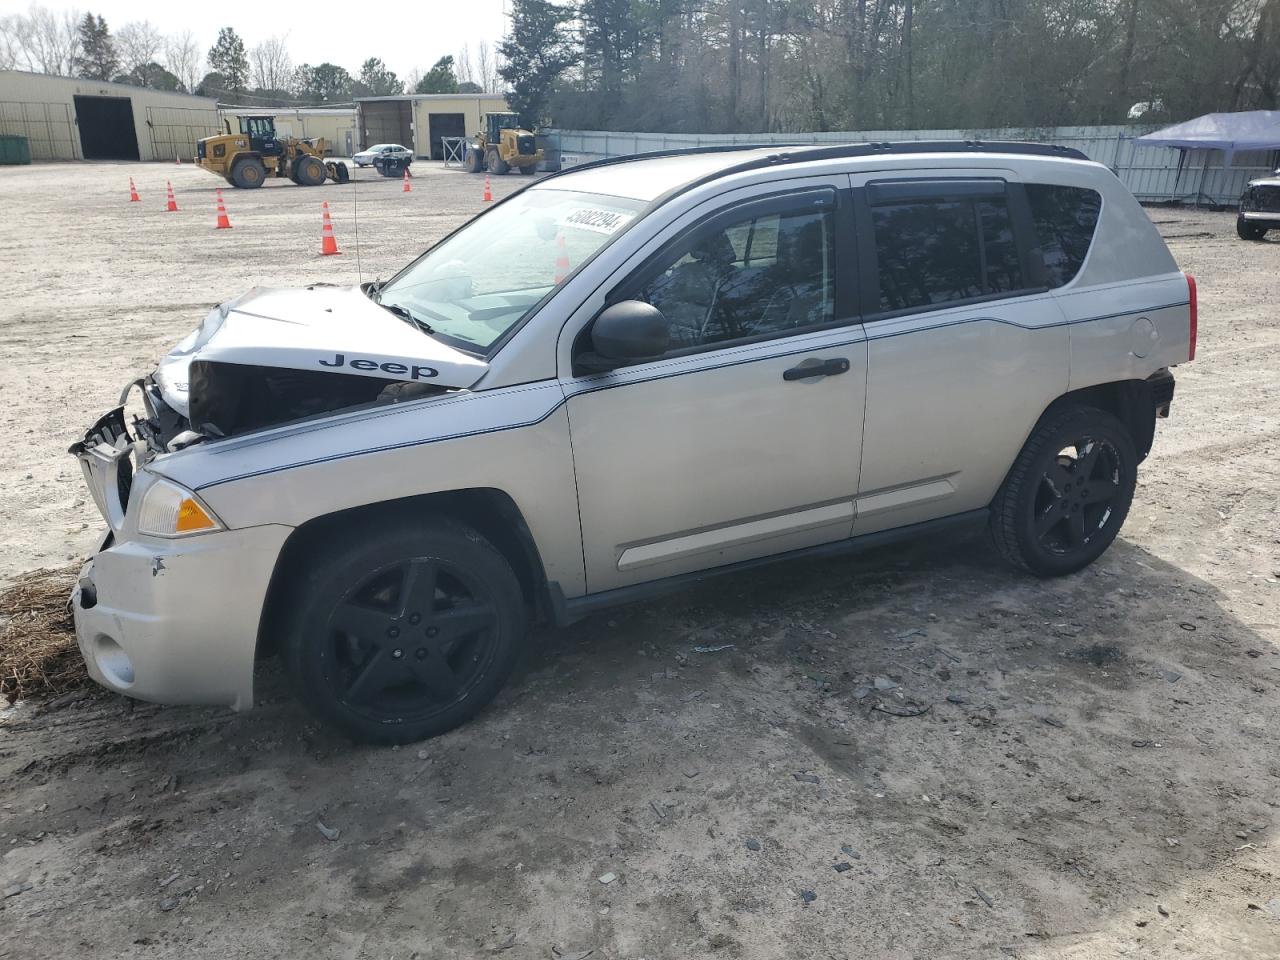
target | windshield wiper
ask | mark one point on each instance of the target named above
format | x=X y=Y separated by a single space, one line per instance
x=405 y=314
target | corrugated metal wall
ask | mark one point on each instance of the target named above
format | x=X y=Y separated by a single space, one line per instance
x=1151 y=173
x=42 y=109
x=175 y=130
x=49 y=128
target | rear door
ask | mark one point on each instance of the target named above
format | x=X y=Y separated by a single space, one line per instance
x=744 y=439
x=965 y=346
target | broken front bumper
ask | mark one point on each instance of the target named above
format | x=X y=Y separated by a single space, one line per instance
x=160 y=619
x=176 y=621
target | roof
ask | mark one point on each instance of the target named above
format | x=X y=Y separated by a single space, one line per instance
x=278 y=111
x=436 y=96
x=1230 y=132
x=649 y=176
x=124 y=88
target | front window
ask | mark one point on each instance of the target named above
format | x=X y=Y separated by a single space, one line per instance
x=482 y=281
x=764 y=274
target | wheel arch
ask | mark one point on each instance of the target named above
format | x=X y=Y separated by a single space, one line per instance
x=488 y=510
x=1129 y=401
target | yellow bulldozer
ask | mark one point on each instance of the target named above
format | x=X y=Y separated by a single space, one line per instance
x=247 y=158
x=501 y=146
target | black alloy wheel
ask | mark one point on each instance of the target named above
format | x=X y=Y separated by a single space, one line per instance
x=1067 y=494
x=411 y=640
x=1076 y=495
x=406 y=633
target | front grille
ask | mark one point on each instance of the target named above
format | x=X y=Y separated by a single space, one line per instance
x=1262 y=199
x=526 y=145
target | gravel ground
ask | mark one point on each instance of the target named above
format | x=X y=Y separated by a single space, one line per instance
x=1082 y=768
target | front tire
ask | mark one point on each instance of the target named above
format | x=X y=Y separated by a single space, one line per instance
x=496 y=164
x=309 y=171
x=405 y=634
x=249 y=174
x=1068 y=493
x=1248 y=230
x=471 y=161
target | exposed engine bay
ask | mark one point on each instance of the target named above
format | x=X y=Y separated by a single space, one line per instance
x=276 y=356
x=228 y=399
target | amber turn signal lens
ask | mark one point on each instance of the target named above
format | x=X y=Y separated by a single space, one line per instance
x=191 y=517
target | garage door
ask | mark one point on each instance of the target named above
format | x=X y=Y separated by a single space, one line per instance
x=106 y=128
x=445 y=125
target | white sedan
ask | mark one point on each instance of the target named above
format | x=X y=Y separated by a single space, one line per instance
x=366 y=157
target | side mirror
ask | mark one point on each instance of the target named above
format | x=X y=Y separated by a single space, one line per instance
x=629 y=331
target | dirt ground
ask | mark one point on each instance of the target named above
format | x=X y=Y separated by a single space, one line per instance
x=1082 y=768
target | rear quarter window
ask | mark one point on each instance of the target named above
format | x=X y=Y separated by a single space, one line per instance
x=1065 y=220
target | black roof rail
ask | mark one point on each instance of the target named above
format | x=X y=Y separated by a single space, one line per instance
x=796 y=152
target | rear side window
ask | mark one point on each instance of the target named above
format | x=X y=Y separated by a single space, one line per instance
x=1065 y=219
x=932 y=251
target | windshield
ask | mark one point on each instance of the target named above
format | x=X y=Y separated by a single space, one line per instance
x=483 y=280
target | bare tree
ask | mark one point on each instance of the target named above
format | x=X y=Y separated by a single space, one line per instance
x=486 y=68
x=462 y=67
x=44 y=41
x=15 y=43
x=184 y=59
x=270 y=67
x=138 y=44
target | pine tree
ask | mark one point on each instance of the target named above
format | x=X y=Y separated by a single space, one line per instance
x=97 y=59
x=439 y=79
x=377 y=81
x=227 y=57
x=536 y=52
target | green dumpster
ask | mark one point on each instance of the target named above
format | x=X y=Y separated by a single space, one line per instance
x=14 y=150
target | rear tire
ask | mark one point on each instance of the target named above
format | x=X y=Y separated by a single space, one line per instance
x=309 y=171
x=529 y=169
x=248 y=174
x=1068 y=492
x=405 y=633
x=1246 y=230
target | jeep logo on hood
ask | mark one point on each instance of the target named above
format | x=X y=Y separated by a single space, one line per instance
x=412 y=371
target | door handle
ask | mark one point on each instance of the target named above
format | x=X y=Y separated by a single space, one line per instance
x=823 y=368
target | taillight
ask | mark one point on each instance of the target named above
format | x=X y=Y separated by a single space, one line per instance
x=1195 y=314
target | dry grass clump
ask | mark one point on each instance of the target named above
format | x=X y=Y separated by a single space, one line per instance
x=38 y=654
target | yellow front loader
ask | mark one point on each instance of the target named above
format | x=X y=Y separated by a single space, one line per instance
x=247 y=158
x=501 y=146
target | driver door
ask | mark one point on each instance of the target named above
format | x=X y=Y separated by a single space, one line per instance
x=744 y=439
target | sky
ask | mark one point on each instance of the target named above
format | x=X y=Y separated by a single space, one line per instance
x=404 y=36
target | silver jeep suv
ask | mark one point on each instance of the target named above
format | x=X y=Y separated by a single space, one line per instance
x=623 y=376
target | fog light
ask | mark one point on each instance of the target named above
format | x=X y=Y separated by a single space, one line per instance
x=113 y=661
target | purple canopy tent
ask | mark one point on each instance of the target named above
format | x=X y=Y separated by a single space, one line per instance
x=1249 y=130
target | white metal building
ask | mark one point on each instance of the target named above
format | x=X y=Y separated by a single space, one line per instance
x=419 y=120
x=65 y=118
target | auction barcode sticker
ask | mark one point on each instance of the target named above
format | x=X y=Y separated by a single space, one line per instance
x=598 y=221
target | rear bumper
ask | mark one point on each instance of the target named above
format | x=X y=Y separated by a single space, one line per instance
x=177 y=621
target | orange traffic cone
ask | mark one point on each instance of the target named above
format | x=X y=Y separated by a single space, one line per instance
x=406 y=188
x=488 y=194
x=172 y=205
x=177 y=158
x=133 y=192
x=328 y=245
x=562 y=260
x=223 y=222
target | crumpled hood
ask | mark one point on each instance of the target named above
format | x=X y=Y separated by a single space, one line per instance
x=319 y=328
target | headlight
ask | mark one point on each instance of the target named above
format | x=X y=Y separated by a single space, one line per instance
x=169 y=510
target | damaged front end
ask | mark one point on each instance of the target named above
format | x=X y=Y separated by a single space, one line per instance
x=270 y=358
